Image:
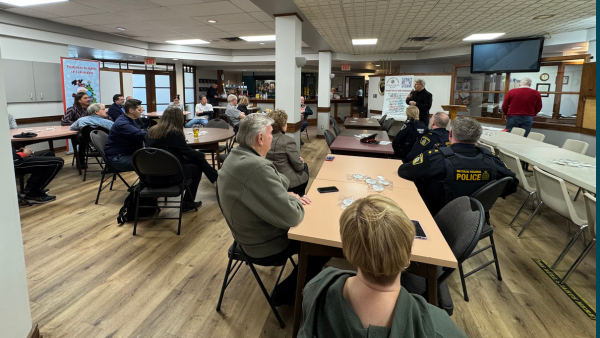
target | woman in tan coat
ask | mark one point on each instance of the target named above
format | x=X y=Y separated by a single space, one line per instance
x=284 y=154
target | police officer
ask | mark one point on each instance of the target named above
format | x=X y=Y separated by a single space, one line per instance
x=449 y=172
x=410 y=133
x=436 y=138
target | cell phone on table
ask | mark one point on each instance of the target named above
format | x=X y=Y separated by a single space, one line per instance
x=420 y=233
x=329 y=158
x=325 y=190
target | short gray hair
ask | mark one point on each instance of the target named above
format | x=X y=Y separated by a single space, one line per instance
x=251 y=126
x=421 y=81
x=94 y=108
x=466 y=129
x=525 y=81
x=231 y=98
x=441 y=119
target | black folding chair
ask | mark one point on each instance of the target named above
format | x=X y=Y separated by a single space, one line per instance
x=90 y=150
x=387 y=125
x=335 y=126
x=329 y=138
x=149 y=162
x=382 y=120
x=216 y=123
x=99 y=139
x=237 y=254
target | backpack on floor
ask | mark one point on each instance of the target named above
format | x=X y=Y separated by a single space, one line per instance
x=127 y=211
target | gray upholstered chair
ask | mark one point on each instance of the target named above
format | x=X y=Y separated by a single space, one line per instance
x=329 y=137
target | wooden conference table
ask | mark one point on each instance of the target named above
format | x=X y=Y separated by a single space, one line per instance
x=500 y=138
x=346 y=143
x=584 y=177
x=209 y=140
x=46 y=133
x=319 y=232
x=361 y=123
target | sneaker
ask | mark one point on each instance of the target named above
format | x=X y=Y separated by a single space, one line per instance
x=190 y=206
x=40 y=199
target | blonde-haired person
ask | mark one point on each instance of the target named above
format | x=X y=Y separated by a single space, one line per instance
x=284 y=154
x=168 y=135
x=243 y=104
x=377 y=238
x=233 y=114
x=410 y=133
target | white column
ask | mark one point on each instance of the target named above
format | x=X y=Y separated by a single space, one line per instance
x=15 y=316
x=324 y=104
x=288 y=46
x=179 y=87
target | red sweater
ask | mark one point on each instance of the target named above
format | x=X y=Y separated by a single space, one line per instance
x=522 y=101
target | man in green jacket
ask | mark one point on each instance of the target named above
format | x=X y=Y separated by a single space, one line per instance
x=257 y=206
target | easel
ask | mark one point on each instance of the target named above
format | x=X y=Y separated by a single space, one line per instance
x=453 y=109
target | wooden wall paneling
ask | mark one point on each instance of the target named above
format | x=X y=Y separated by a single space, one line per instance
x=589 y=113
x=558 y=88
x=588 y=79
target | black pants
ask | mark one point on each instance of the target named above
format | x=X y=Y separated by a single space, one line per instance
x=314 y=266
x=43 y=167
x=82 y=150
x=300 y=189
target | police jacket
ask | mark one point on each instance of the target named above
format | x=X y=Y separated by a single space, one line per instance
x=405 y=139
x=434 y=139
x=444 y=174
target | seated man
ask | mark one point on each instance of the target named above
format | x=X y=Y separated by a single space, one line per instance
x=444 y=174
x=125 y=137
x=43 y=167
x=411 y=132
x=96 y=118
x=203 y=112
x=117 y=108
x=233 y=114
x=257 y=205
x=436 y=137
x=377 y=238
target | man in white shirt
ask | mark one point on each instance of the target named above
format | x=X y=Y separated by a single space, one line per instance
x=203 y=111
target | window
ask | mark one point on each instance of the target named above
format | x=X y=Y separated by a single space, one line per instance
x=139 y=89
x=189 y=96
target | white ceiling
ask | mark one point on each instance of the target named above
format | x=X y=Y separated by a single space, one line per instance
x=448 y=21
x=160 y=20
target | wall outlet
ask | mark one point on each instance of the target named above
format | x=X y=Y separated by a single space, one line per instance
x=322 y=127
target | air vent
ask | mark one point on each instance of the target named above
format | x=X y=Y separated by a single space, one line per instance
x=420 y=38
x=233 y=39
x=402 y=49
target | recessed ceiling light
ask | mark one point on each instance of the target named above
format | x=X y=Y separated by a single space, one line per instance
x=120 y=28
x=577 y=48
x=262 y=43
x=188 y=42
x=485 y=36
x=258 y=38
x=175 y=59
x=22 y=3
x=212 y=21
x=364 y=41
x=376 y=65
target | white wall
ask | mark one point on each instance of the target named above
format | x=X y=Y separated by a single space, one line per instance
x=110 y=84
x=15 y=316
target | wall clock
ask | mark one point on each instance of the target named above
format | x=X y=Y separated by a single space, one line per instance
x=544 y=77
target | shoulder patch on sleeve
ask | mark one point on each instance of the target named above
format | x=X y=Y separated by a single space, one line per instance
x=418 y=160
x=424 y=140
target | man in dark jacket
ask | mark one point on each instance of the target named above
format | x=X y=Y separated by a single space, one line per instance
x=213 y=95
x=125 y=137
x=43 y=167
x=117 y=107
x=437 y=137
x=422 y=99
x=443 y=174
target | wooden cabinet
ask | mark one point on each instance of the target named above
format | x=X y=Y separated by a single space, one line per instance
x=27 y=81
x=588 y=79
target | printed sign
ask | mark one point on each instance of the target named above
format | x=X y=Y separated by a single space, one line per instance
x=394 y=99
x=149 y=62
x=80 y=76
x=345 y=67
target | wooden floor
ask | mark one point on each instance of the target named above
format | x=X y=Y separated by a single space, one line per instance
x=89 y=277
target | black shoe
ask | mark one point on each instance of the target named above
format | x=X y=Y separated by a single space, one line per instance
x=45 y=191
x=189 y=206
x=40 y=199
x=301 y=143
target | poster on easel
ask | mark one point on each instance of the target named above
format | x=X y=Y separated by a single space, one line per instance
x=80 y=76
x=394 y=99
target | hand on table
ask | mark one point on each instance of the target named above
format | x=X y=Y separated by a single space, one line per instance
x=304 y=199
x=28 y=152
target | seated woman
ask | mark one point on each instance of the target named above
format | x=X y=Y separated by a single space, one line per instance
x=203 y=112
x=78 y=110
x=168 y=135
x=377 y=237
x=97 y=117
x=177 y=103
x=243 y=105
x=412 y=131
x=284 y=154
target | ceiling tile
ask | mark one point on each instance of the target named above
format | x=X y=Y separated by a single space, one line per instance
x=119 y=6
x=158 y=13
x=67 y=9
x=170 y=23
x=103 y=19
x=71 y=21
x=32 y=13
x=132 y=26
x=262 y=16
x=206 y=9
x=250 y=33
x=197 y=30
x=249 y=28
x=246 y=5
x=181 y=2
x=227 y=19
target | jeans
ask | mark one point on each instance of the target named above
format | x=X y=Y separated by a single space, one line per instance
x=122 y=162
x=519 y=121
x=304 y=125
x=191 y=123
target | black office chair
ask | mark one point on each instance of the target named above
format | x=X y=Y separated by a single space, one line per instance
x=149 y=162
x=343 y=118
x=90 y=150
x=99 y=139
x=382 y=120
x=216 y=123
x=228 y=147
x=387 y=125
x=487 y=196
x=460 y=222
x=236 y=253
x=335 y=126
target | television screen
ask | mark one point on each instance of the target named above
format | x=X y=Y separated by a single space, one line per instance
x=510 y=56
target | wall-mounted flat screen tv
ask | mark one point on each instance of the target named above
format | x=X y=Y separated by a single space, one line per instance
x=508 y=56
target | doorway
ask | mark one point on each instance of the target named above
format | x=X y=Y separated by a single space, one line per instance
x=156 y=89
x=353 y=83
